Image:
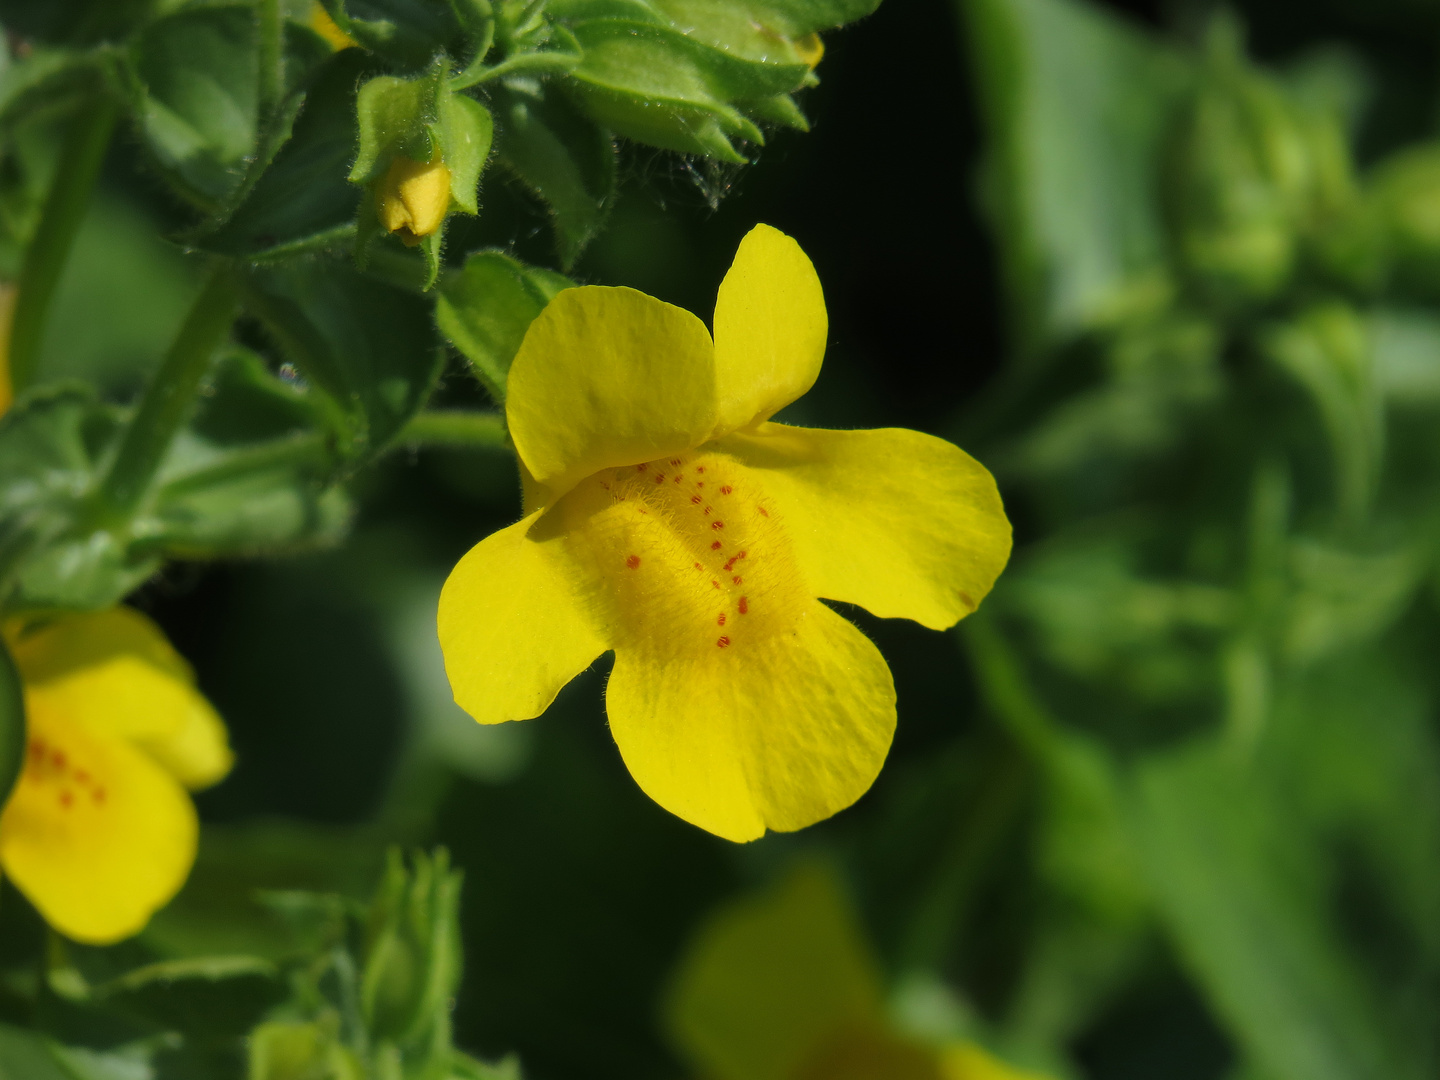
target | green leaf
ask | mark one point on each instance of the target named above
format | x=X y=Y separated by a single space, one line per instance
x=485 y=308
x=206 y=998
x=406 y=32
x=51 y=442
x=1326 y=350
x=369 y=346
x=12 y=723
x=25 y=1055
x=1075 y=104
x=303 y=201
x=1243 y=890
x=561 y=156
x=197 y=107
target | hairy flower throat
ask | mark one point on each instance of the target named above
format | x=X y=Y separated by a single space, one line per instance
x=689 y=554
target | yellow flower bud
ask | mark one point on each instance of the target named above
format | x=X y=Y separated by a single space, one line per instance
x=412 y=197
x=327 y=28
x=809 y=49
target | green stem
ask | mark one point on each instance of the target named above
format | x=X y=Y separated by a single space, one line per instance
x=455 y=428
x=80 y=162
x=476 y=74
x=167 y=399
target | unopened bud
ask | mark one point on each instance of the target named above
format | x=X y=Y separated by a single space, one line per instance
x=412 y=197
x=809 y=49
x=329 y=29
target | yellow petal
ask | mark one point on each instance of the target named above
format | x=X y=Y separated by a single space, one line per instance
x=809 y=49
x=771 y=979
x=770 y=328
x=96 y=834
x=608 y=377
x=510 y=627
x=114 y=671
x=776 y=732
x=904 y=524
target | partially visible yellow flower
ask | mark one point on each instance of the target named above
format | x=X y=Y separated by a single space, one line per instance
x=7 y=317
x=809 y=49
x=326 y=27
x=412 y=197
x=99 y=832
x=782 y=986
x=669 y=520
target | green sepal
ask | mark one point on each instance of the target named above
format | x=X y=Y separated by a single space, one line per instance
x=486 y=306
x=656 y=85
x=395 y=118
x=780 y=110
x=12 y=723
x=466 y=131
x=560 y=155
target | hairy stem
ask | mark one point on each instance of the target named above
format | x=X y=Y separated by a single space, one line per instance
x=59 y=222
x=168 y=399
x=454 y=427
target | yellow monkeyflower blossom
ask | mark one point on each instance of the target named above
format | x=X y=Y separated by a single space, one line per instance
x=669 y=520
x=782 y=985
x=327 y=28
x=412 y=197
x=99 y=831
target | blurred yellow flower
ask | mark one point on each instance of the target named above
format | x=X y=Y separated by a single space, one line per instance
x=99 y=831
x=782 y=986
x=7 y=315
x=669 y=520
x=326 y=27
x=412 y=197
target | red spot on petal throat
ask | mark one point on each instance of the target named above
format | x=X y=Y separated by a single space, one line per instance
x=66 y=799
x=721 y=620
x=633 y=562
x=674 y=461
x=723 y=643
x=726 y=490
x=744 y=605
x=717 y=524
x=715 y=546
x=695 y=499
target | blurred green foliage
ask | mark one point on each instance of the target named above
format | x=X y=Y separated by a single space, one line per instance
x=1170 y=805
